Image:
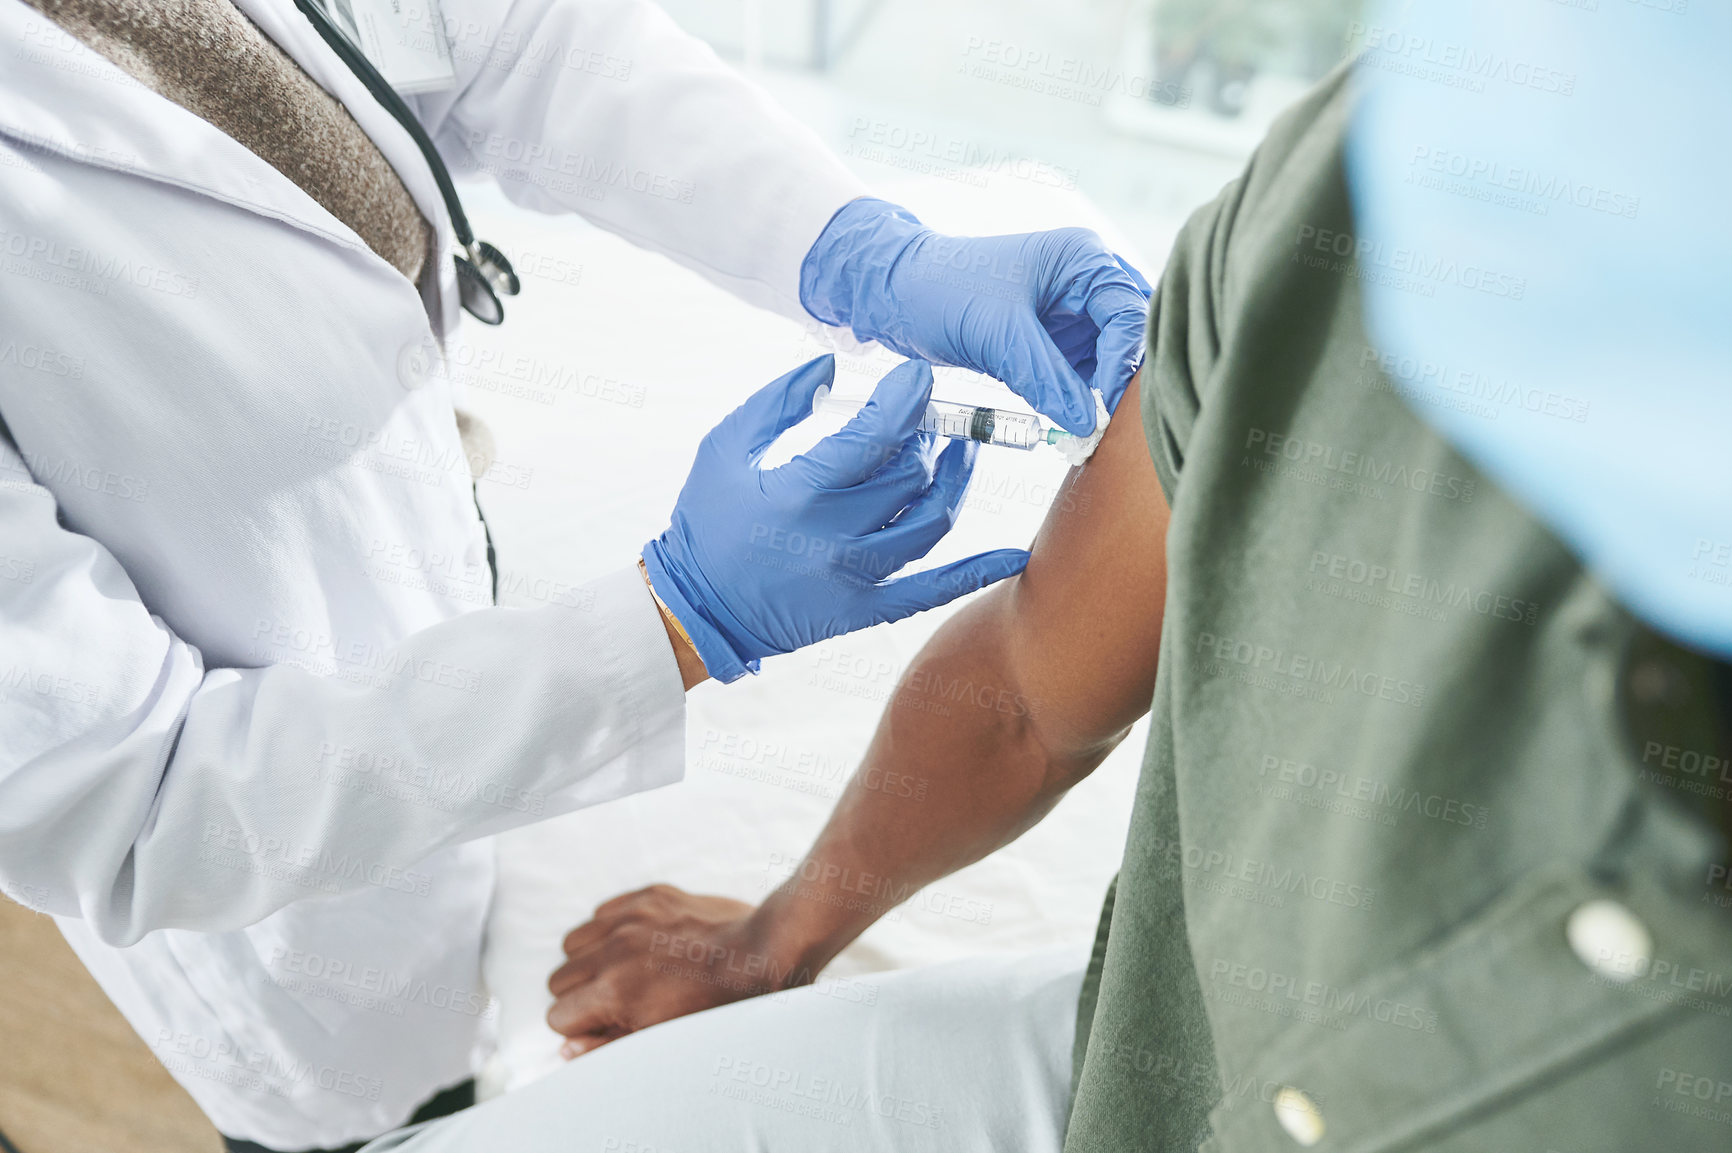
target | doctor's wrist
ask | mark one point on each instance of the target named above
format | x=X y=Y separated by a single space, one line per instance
x=692 y=669
x=692 y=609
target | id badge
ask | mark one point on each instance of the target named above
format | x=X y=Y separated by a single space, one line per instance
x=403 y=39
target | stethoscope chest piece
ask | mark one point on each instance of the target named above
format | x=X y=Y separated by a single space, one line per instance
x=483 y=276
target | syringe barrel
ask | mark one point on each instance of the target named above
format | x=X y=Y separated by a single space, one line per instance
x=959 y=421
x=987 y=425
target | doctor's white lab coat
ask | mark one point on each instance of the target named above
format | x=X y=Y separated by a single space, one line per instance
x=256 y=707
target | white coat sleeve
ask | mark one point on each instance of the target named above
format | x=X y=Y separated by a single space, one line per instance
x=607 y=109
x=140 y=790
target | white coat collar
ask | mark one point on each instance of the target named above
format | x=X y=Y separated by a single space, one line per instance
x=60 y=95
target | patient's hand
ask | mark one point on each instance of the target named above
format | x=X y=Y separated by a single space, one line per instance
x=657 y=954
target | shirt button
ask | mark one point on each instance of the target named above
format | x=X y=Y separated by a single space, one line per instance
x=1299 y=1115
x=1654 y=683
x=1608 y=939
x=415 y=364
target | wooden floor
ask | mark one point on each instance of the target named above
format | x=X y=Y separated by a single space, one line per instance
x=74 y=1077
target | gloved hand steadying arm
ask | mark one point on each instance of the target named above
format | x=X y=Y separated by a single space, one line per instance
x=764 y=561
x=1051 y=314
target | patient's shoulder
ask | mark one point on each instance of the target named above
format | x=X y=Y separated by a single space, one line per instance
x=1304 y=143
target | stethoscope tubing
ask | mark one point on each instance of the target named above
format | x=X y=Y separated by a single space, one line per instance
x=487 y=268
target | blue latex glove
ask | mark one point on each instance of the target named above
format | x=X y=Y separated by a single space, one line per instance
x=764 y=561
x=1051 y=314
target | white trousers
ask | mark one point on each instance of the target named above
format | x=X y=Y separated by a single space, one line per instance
x=970 y=1055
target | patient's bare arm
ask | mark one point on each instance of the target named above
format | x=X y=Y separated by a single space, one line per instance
x=1057 y=664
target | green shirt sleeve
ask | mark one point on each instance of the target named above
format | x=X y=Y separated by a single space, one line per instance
x=1199 y=292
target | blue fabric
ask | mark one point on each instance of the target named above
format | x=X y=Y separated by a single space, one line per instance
x=763 y=561
x=1540 y=201
x=1051 y=314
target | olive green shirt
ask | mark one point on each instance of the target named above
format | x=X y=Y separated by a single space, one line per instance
x=1426 y=852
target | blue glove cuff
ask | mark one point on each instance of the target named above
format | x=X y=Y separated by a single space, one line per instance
x=850 y=262
x=675 y=589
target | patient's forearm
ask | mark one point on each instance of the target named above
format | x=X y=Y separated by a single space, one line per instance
x=1018 y=697
x=956 y=770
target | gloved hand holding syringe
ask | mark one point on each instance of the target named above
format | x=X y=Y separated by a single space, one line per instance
x=985 y=424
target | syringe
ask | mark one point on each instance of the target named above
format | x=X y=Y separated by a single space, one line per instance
x=981 y=423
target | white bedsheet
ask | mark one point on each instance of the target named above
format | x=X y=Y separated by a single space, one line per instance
x=649 y=357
